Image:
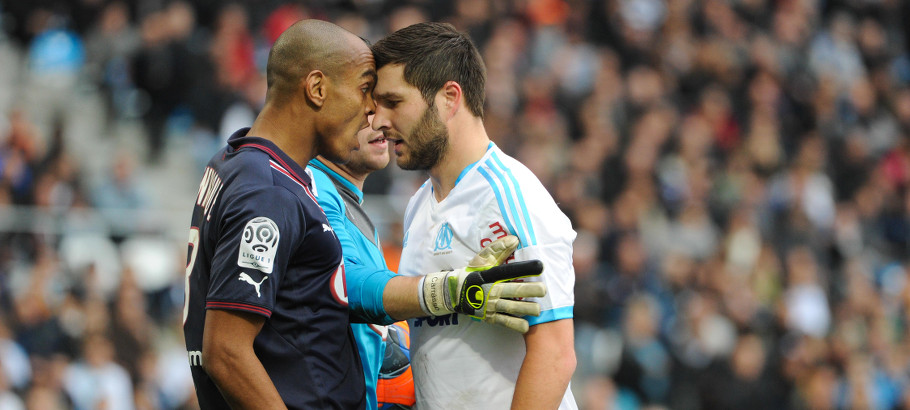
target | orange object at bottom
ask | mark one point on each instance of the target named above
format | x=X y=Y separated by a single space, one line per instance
x=395 y=387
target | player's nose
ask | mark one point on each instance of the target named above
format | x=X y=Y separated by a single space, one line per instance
x=370 y=106
x=381 y=119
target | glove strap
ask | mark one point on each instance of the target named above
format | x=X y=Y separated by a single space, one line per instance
x=433 y=294
x=420 y=297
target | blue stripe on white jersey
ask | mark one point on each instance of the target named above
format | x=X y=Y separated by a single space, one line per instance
x=551 y=315
x=511 y=201
x=509 y=184
x=521 y=200
x=504 y=196
x=502 y=207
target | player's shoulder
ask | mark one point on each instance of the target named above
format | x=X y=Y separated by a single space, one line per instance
x=252 y=180
x=517 y=195
x=246 y=166
x=508 y=177
x=323 y=184
x=272 y=199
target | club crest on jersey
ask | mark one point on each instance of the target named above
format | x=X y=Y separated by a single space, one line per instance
x=259 y=245
x=443 y=238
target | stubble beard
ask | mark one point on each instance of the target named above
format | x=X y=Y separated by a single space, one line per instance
x=428 y=143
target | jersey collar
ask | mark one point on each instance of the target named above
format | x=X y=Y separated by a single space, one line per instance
x=240 y=140
x=468 y=168
x=316 y=163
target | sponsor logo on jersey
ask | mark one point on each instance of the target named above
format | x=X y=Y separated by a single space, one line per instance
x=443 y=238
x=246 y=278
x=433 y=321
x=259 y=245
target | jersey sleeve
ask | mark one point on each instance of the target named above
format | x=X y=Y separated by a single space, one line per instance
x=259 y=232
x=545 y=233
x=365 y=282
x=558 y=275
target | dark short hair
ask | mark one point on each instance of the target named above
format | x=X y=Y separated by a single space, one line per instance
x=433 y=53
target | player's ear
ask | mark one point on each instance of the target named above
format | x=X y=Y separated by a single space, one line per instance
x=314 y=87
x=451 y=98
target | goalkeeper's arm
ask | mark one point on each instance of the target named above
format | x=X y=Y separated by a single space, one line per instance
x=481 y=290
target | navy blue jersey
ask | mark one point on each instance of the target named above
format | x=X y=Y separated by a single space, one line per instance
x=260 y=243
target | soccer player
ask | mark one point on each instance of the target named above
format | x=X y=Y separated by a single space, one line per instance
x=377 y=295
x=429 y=105
x=339 y=190
x=266 y=315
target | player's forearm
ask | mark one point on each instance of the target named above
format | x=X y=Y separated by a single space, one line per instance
x=229 y=359
x=547 y=368
x=542 y=382
x=400 y=298
x=242 y=380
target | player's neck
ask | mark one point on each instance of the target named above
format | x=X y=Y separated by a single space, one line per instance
x=468 y=142
x=356 y=178
x=299 y=143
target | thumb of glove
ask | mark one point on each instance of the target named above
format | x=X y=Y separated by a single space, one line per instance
x=493 y=254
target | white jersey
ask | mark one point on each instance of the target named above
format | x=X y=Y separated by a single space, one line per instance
x=458 y=362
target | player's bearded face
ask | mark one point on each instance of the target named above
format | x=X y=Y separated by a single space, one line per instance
x=428 y=142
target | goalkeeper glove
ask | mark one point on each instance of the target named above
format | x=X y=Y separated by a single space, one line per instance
x=481 y=290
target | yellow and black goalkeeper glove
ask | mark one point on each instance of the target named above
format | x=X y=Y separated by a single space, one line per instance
x=482 y=291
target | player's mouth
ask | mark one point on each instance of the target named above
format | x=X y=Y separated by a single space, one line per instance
x=397 y=142
x=397 y=145
x=380 y=141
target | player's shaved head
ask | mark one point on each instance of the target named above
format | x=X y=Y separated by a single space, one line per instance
x=306 y=46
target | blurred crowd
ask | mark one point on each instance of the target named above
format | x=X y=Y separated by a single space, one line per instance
x=738 y=172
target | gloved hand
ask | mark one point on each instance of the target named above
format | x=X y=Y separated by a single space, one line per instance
x=481 y=290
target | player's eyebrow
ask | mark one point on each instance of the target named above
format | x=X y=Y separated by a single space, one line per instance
x=386 y=96
x=371 y=73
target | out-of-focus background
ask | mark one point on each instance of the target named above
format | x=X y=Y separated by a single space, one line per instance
x=737 y=172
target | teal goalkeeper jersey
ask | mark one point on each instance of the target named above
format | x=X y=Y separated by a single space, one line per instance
x=365 y=267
